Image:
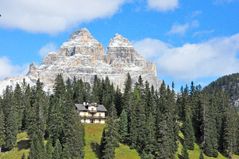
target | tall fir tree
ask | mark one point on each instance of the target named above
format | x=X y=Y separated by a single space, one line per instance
x=57 y=153
x=209 y=128
x=72 y=128
x=123 y=127
x=37 y=149
x=49 y=150
x=11 y=127
x=17 y=101
x=2 y=135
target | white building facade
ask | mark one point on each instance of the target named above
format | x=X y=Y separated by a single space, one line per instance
x=91 y=113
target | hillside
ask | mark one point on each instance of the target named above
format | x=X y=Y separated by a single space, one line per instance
x=93 y=134
x=229 y=84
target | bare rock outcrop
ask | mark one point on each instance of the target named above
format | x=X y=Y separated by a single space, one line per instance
x=82 y=56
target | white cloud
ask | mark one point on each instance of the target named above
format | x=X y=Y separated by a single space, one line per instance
x=203 y=33
x=49 y=47
x=8 y=69
x=181 y=29
x=163 y=5
x=212 y=58
x=53 y=16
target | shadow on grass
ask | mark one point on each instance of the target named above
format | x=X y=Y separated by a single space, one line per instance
x=180 y=156
x=96 y=148
x=180 y=139
x=23 y=144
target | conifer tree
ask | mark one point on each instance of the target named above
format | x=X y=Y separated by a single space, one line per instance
x=57 y=153
x=209 y=127
x=186 y=105
x=72 y=128
x=11 y=127
x=37 y=149
x=55 y=117
x=2 y=135
x=123 y=126
x=118 y=101
x=229 y=132
x=49 y=150
x=17 y=101
x=127 y=94
x=27 y=107
x=185 y=152
x=201 y=155
x=187 y=130
x=110 y=138
x=150 y=135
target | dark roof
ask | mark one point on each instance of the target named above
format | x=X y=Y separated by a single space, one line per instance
x=80 y=107
x=101 y=108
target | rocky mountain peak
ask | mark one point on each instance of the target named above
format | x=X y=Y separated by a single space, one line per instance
x=81 y=38
x=83 y=33
x=119 y=41
x=83 y=57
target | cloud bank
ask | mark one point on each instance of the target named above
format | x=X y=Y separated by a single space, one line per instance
x=8 y=69
x=212 y=58
x=53 y=16
x=163 y=5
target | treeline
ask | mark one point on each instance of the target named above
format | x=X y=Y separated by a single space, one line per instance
x=208 y=119
x=145 y=118
x=151 y=120
x=51 y=121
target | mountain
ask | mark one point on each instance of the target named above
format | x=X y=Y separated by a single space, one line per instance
x=82 y=56
x=229 y=84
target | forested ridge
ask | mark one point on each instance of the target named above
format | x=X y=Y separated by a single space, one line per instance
x=147 y=119
x=230 y=85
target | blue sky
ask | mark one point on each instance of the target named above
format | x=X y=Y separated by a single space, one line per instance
x=188 y=40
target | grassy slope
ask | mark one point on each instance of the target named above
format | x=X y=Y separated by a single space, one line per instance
x=92 y=138
x=194 y=154
x=93 y=134
x=17 y=152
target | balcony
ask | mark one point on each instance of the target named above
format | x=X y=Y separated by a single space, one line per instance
x=93 y=117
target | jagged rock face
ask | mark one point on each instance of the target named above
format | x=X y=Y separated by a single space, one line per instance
x=83 y=57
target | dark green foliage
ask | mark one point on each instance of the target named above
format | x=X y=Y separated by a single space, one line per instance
x=37 y=149
x=229 y=84
x=150 y=135
x=72 y=128
x=118 y=101
x=9 y=111
x=144 y=117
x=201 y=155
x=17 y=101
x=185 y=152
x=57 y=153
x=2 y=135
x=49 y=150
x=123 y=126
x=229 y=134
x=126 y=104
x=187 y=130
x=165 y=128
x=109 y=140
x=147 y=156
x=209 y=127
